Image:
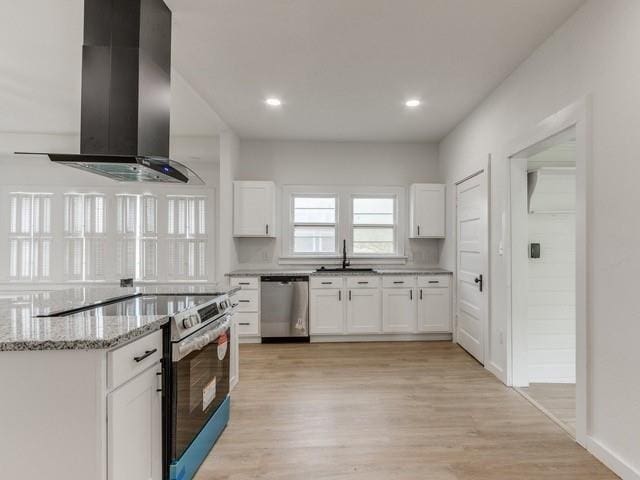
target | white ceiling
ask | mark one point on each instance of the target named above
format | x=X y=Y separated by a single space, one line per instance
x=344 y=68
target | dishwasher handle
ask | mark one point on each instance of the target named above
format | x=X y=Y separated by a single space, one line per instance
x=284 y=279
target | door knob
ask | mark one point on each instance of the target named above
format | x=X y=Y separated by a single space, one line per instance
x=479 y=280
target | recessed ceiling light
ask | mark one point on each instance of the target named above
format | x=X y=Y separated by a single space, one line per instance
x=412 y=103
x=273 y=102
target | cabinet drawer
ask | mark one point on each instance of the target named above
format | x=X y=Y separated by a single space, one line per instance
x=433 y=281
x=247 y=300
x=358 y=281
x=398 y=281
x=128 y=361
x=327 y=282
x=247 y=283
x=248 y=324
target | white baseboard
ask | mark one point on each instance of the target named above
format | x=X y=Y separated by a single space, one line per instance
x=611 y=460
x=419 y=337
x=249 y=340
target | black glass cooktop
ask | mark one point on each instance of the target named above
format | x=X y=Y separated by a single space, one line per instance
x=138 y=305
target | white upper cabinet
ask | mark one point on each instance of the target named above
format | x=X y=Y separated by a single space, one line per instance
x=254 y=209
x=427 y=209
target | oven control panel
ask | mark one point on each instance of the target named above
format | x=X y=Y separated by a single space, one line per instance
x=189 y=321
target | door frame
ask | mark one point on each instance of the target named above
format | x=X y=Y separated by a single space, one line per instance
x=577 y=116
x=486 y=263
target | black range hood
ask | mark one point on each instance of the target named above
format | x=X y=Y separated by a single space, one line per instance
x=126 y=74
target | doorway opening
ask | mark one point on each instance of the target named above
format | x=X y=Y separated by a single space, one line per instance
x=547 y=332
x=544 y=214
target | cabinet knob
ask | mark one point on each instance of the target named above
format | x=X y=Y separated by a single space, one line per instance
x=267 y=229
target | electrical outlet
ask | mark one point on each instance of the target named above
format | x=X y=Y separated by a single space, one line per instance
x=265 y=256
x=501 y=338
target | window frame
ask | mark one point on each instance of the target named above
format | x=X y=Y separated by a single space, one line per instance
x=295 y=224
x=344 y=195
x=393 y=226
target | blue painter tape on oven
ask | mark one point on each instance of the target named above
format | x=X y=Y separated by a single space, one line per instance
x=187 y=466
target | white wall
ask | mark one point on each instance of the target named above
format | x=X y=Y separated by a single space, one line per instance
x=227 y=254
x=335 y=163
x=551 y=319
x=593 y=53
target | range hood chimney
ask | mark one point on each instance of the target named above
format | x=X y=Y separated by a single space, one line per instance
x=126 y=73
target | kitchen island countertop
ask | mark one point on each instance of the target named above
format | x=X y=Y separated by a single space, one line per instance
x=22 y=329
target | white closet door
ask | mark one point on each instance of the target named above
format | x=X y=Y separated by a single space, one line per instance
x=472 y=265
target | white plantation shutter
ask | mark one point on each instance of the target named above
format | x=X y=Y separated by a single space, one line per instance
x=149 y=238
x=30 y=236
x=187 y=237
x=137 y=245
x=85 y=229
x=127 y=224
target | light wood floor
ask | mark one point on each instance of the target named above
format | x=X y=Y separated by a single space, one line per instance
x=557 y=398
x=385 y=411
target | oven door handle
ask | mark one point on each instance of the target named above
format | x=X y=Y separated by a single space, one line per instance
x=199 y=341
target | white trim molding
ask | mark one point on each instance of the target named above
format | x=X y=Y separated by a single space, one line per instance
x=575 y=116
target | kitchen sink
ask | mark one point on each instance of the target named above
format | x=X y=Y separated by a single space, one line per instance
x=347 y=269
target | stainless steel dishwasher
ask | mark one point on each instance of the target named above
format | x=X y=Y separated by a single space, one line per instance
x=284 y=306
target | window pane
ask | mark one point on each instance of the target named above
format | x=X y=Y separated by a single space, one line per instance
x=314 y=239
x=373 y=211
x=314 y=210
x=376 y=241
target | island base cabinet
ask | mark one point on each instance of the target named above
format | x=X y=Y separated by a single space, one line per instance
x=326 y=311
x=434 y=310
x=364 y=311
x=399 y=310
x=134 y=417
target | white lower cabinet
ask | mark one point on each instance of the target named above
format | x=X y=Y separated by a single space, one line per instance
x=326 y=311
x=134 y=417
x=364 y=310
x=399 y=310
x=434 y=310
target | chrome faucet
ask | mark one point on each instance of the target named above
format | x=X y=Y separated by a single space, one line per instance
x=345 y=262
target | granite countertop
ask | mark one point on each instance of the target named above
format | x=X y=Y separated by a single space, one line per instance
x=312 y=272
x=20 y=329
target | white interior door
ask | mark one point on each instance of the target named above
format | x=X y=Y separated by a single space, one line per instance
x=472 y=291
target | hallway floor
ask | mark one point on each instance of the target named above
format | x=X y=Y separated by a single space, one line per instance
x=559 y=399
x=387 y=411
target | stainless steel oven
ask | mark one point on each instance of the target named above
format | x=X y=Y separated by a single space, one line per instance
x=198 y=403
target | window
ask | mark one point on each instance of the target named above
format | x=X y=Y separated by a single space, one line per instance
x=374 y=226
x=85 y=236
x=149 y=233
x=187 y=237
x=30 y=236
x=137 y=244
x=314 y=225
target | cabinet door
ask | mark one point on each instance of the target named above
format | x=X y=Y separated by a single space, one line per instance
x=399 y=310
x=434 y=310
x=364 y=313
x=135 y=428
x=234 y=364
x=326 y=311
x=253 y=209
x=428 y=210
